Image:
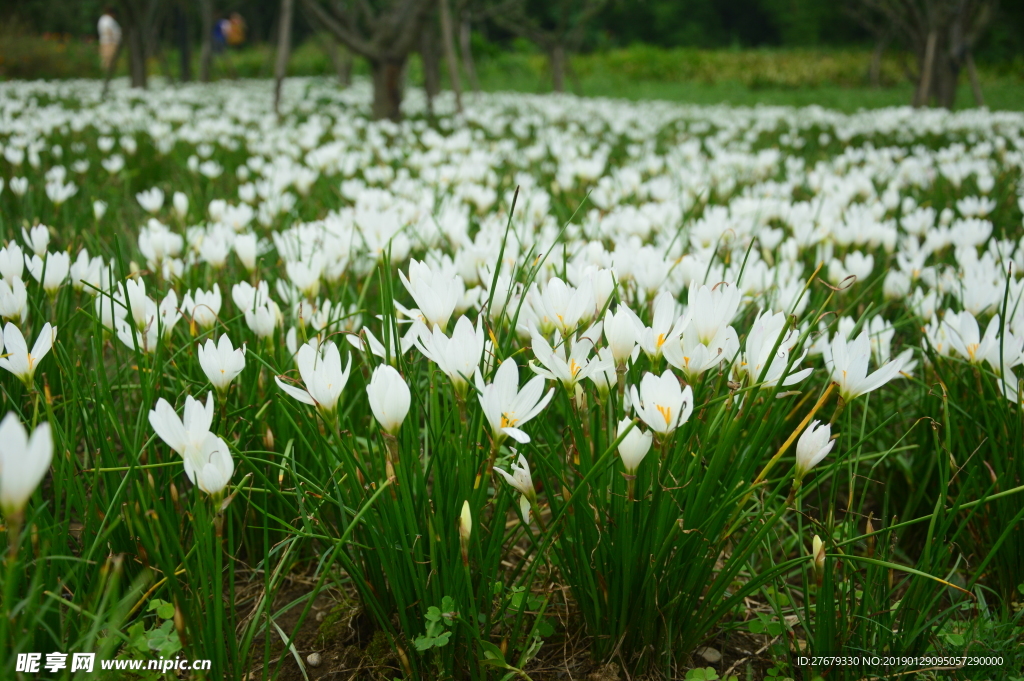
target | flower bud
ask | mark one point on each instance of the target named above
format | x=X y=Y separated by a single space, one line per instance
x=465 y=530
x=818 y=553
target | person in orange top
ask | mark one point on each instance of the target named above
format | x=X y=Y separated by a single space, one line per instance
x=235 y=33
x=110 y=37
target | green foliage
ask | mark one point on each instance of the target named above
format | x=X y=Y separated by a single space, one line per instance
x=438 y=623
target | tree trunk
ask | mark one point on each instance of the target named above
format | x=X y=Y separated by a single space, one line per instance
x=875 y=70
x=449 y=54
x=388 y=75
x=465 y=44
x=136 y=55
x=556 y=58
x=184 y=44
x=945 y=79
x=924 y=86
x=284 y=50
x=206 y=53
x=972 y=74
x=431 y=66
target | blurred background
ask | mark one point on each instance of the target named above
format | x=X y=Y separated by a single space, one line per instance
x=844 y=54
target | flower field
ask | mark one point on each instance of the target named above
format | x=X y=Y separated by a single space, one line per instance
x=551 y=388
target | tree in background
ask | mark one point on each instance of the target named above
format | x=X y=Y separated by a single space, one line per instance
x=941 y=35
x=556 y=27
x=384 y=32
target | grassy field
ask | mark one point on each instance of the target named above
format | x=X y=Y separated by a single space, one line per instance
x=834 y=79
x=555 y=388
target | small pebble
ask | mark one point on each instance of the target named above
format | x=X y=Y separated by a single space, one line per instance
x=710 y=654
x=313 y=660
x=320 y=616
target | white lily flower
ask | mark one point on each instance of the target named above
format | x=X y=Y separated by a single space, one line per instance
x=521 y=480
x=221 y=362
x=661 y=403
x=151 y=200
x=389 y=397
x=324 y=379
x=571 y=370
x=459 y=356
x=13 y=300
x=621 y=332
x=37 y=239
x=814 y=445
x=758 y=356
x=847 y=362
x=214 y=466
x=24 y=460
x=20 y=361
x=436 y=293
x=187 y=435
x=634 y=446
x=506 y=407
x=12 y=261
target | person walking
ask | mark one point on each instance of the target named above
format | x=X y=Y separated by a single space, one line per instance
x=110 y=37
x=235 y=33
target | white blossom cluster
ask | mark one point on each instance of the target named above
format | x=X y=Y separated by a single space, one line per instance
x=683 y=234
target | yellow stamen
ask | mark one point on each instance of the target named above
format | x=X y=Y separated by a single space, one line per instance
x=666 y=413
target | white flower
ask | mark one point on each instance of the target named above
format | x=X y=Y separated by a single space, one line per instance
x=521 y=479
x=13 y=299
x=507 y=408
x=693 y=358
x=621 y=332
x=24 y=461
x=19 y=185
x=214 y=466
x=37 y=239
x=814 y=445
x=188 y=435
x=634 y=446
x=99 y=209
x=389 y=397
x=141 y=305
x=20 y=361
x=758 y=357
x=573 y=369
x=847 y=362
x=564 y=306
x=203 y=307
x=436 y=293
x=321 y=372
x=221 y=362
x=12 y=261
x=458 y=356
x=712 y=309
x=86 y=272
x=151 y=200
x=667 y=324
x=247 y=249
x=169 y=313
x=661 y=403
x=180 y=201
x=51 y=272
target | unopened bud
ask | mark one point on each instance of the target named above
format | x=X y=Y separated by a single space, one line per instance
x=465 y=531
x=818 y=552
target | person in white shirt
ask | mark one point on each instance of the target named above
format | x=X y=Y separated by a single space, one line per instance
x=110 y=37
